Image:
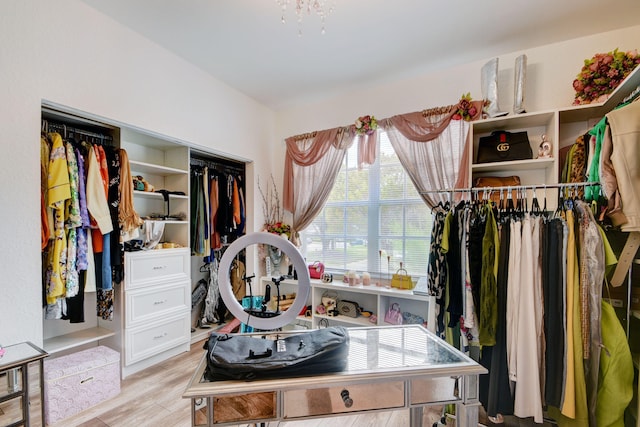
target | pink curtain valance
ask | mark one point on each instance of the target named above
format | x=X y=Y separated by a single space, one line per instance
x=306 y=153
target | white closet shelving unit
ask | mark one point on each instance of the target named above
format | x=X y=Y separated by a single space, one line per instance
x=376 y=299
x=152 y=307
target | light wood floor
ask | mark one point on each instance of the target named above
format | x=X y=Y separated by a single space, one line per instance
x=153 y=397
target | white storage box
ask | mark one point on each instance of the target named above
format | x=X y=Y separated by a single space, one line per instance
x=79 y=381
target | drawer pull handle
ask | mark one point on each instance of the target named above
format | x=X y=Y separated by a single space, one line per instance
x=159 y=267
x=157 y=337
x=159 y=302
x=86 y=380
x=348 y=401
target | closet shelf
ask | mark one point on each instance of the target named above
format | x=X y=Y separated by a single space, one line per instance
x=515 y=165
x=364 y=321
x=75 y=339
x=167 y=221
x=142 y=167
x=513 y=122
x=153 y=195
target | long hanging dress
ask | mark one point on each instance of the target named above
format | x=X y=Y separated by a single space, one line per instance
x=528 y=395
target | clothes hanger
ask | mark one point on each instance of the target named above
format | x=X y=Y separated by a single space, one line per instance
x=535 y=206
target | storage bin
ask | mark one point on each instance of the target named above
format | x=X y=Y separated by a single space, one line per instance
x=78 y=381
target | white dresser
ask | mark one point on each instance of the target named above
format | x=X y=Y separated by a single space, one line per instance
x=154 y=316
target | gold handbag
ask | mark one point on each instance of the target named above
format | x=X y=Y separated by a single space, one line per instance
x=401 y=279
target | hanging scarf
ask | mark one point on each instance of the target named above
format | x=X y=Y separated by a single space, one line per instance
x=128 y=217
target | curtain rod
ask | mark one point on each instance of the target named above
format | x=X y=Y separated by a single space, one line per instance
x=513 y=187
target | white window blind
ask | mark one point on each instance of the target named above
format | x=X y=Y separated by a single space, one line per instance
x=370 y=210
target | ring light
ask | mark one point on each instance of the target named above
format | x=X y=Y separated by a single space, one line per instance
x=226 y=291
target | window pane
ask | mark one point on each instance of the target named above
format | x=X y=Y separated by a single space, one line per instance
x=392 y=182
x=370 y=210
x=339 y=191
x=418 y=220
x=357 y=185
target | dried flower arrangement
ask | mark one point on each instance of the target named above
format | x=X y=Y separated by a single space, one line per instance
x=272 y=210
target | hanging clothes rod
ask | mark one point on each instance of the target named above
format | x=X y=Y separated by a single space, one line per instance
x=513 y=187
x=49 y=126
x=219 y=167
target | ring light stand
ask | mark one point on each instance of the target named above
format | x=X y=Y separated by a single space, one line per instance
x=226 y=291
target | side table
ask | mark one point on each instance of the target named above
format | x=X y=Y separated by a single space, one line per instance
x=16 y=359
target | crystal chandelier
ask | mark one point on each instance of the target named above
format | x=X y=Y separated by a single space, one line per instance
x=322 y=8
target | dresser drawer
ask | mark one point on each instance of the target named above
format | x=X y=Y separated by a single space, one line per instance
x=331 y=400
x=433 y=390
x=159 y=335
x=146 y=304
x=153 y=267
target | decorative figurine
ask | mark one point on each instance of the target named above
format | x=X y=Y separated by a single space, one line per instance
x=544 y=151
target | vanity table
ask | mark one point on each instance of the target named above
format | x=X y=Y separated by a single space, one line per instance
x=16 y=358
x=389 y=368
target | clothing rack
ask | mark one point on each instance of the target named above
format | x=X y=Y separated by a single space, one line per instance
x=508 y=188
x=65 y=130
x=217 y=166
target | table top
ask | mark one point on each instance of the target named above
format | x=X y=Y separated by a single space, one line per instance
x=19 y=354
x=375 y=353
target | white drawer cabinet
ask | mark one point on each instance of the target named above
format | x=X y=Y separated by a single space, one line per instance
x=152 y=316
x=155 y=337
x=143 y=305
x=146 y=268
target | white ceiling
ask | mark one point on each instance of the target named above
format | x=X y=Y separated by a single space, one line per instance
x=244 y=44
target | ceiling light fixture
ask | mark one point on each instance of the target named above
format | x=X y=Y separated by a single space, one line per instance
x=322 y=8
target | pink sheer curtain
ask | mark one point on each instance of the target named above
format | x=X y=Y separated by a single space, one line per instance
x=312 y=162
x=431 y=147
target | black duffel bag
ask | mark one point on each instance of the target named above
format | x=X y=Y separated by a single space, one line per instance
x=503 y=146
x=245 y=357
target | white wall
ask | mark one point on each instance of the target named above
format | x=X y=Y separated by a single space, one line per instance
x=65 y=52
x=550 y=73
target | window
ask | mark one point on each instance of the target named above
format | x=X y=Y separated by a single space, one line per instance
x=371 y=214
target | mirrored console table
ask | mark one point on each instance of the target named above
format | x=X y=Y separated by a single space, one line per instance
x=389 y=368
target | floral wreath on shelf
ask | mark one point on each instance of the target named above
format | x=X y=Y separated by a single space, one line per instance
x=366 y=125
x=279 y=228
x=601 y=74
x=466 y=110
x=273 y=211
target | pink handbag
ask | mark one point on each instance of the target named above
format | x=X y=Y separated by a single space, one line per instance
x=393 y=314
x=316 y=270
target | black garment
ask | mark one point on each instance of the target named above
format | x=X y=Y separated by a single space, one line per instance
x=499 y=398
x=553 y=309
x=438 y=270
x=113 y=197
x=75 y=304
x=224 y=220
x=455 y=307
x=476 y=236
x=196 y=184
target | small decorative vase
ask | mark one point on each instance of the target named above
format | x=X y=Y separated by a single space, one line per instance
x=275 y=255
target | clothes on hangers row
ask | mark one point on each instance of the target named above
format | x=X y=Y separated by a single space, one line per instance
x=609 y=154
x=217 y=211
x=86 y=201
x=522 y=295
